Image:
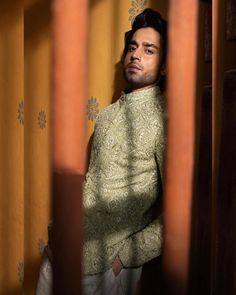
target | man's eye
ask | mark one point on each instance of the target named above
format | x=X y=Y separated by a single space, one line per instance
x=132 y=48
x=149 y=51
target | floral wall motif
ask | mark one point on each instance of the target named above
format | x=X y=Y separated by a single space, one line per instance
x=137 y=6
x=20 y=272
x=20 y=112
x=92 y=108
x=42 y=119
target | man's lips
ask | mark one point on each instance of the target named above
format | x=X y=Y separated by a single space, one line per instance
x=133 y=67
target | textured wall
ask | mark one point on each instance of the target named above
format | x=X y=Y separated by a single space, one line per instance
x=11 y=148
x=25 y=97
x=37 y=94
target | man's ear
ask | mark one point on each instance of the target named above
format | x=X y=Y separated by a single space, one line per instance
x=163 y=70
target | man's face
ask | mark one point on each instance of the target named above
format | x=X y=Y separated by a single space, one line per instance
x=142 y=61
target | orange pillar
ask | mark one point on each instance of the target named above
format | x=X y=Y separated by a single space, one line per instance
x=68 y=140
x=218 y=36
x=181 y=93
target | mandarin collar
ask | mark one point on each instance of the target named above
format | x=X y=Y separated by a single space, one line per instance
x=147 y=93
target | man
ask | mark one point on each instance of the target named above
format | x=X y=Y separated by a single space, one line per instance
x=124 y=179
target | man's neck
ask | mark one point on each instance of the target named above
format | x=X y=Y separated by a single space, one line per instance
x=134 y=89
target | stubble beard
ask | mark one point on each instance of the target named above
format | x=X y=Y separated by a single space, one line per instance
x=134 y=81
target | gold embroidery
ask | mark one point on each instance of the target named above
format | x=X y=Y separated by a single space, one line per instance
x=124 y=178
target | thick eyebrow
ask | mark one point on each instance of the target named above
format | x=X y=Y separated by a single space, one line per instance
x=133 y=42
x=146 y=44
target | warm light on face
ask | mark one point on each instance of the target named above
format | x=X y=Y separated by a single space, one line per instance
x=143 y=59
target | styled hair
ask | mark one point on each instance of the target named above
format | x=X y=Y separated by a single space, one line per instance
x=153 y=19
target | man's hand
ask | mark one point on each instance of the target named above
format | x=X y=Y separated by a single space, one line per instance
x=117 y=266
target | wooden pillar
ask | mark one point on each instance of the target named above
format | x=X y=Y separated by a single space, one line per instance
x=224 y=172
x=217 y=92
x=68 y=140
x=181 y=93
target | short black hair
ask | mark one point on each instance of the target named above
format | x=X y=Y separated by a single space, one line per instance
x=153 y=19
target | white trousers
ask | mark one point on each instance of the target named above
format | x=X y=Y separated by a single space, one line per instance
x=125 y=283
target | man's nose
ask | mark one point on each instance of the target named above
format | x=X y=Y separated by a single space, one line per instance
x=136 y=55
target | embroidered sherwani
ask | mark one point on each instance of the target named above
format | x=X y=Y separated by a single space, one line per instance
x=124 y=182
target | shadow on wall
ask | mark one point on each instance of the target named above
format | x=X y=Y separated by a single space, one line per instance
x=37 y=21
x=30 y=266
x=94 y=2
x=160 y=6
x=12 y=291
x=119 y=82
x=9 y=10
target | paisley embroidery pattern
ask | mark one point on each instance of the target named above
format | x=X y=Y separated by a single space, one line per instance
x=124 y=181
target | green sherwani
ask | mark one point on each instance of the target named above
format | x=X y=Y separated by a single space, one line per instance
x=124 y=182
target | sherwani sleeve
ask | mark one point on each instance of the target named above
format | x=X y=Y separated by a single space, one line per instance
x=143 y=245
x=146 y=244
